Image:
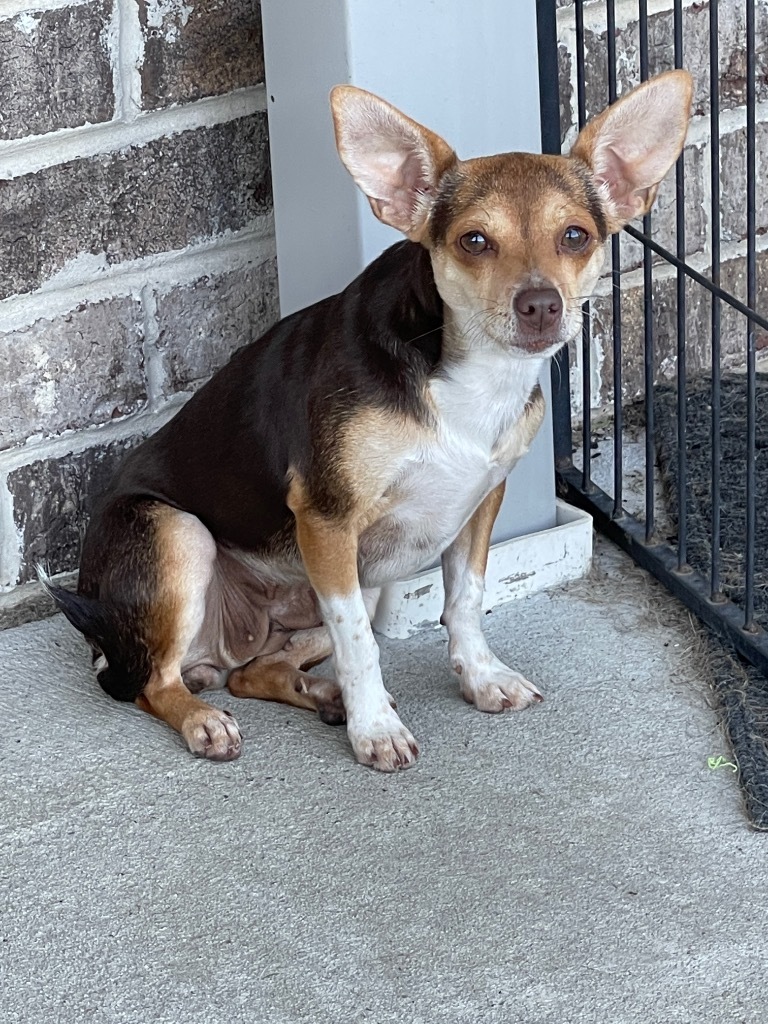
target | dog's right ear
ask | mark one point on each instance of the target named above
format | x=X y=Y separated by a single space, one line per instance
x=395 y=161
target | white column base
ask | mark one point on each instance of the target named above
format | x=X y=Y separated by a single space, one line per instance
x=517 y=567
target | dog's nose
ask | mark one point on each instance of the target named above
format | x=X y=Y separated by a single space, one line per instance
x=538 y=309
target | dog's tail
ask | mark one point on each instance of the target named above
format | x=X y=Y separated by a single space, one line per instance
x=122 y=663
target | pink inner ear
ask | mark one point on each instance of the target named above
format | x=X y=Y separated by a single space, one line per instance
x=614 y=173
x=399 y=170
x=627 y=183
x=397 y=179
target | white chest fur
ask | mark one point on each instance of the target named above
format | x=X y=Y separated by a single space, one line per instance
x=480 y=431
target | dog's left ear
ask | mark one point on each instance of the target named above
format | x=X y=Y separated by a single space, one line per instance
x=395 y=161
x=632 y=144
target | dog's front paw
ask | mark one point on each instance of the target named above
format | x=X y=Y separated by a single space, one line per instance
x=211 y=733
x=383 y=742
x=497 y=688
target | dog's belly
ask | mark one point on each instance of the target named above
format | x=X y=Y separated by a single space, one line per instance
x=252 y=606
x=429 y=512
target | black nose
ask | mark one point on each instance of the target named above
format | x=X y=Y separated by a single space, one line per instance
x=538 y=309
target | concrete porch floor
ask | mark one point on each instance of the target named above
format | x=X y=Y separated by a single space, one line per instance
x=578 y=862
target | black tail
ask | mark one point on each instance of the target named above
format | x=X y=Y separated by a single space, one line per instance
x=128 y=666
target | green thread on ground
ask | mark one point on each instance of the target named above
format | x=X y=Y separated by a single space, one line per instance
x=713 y=763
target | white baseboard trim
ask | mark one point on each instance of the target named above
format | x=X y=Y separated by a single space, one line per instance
x=517 y=567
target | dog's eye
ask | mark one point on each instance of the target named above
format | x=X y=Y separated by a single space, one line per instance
x=574 y=238
x=474 y=243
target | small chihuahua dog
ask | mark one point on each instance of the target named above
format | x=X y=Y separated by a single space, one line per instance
x=362 y=438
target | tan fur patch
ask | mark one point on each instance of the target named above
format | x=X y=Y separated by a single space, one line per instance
x=517 y=441
x=183 y=552
x=372 y=450
x=328 y=545
x=480 y=527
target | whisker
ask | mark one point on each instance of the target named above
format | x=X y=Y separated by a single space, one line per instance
x=418 y=337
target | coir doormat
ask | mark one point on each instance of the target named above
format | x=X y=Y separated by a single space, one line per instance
x=742 y=691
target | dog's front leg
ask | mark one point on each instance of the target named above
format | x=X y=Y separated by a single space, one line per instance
x=329 y=552
x=484 y=680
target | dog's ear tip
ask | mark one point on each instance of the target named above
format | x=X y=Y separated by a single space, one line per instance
x=683 y=77
x=680 y=78
x=683 y=74
x=344 y=94
x=670 y=73
x=338 y=95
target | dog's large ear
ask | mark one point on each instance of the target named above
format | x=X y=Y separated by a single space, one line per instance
x=632 y=144
x=395 y=161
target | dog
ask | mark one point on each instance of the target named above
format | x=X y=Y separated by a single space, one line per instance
x=363 y=438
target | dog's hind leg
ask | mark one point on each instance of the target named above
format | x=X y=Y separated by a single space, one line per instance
x=281 y=676
x=183 y=558
x=280 y=681
x=144 y=580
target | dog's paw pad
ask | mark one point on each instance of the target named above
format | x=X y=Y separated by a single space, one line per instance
x=212 y=734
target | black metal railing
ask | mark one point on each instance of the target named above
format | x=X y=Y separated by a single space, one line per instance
x=667 y=552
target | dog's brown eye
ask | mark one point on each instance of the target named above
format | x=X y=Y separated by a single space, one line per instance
x=474 y=242
x=574 y=238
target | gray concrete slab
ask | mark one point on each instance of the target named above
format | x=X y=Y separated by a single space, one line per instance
x=578 y=862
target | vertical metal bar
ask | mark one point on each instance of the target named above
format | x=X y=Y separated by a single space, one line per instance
x=618 y=418
x=586 y=332
x=714 y=121
x=610 y=42
x=749 y=575
x=562 y=434
x=581 y=91
x=648 y=341
x=682 y=459
x=586 y=400
x=618 y=425
x=549 y=75
x=549 y=108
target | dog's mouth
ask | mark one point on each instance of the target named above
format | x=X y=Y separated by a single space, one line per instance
x=538 y=345
x=547 y=342
x=537 y=348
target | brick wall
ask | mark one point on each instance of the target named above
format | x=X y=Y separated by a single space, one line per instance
x=136 y=239
x=732 y=86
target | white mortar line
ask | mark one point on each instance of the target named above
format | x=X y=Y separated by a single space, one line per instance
x=74 y=442
x=626 y=12
x=90 y=278
x=706 y=200
x=567 y=37
x=26 y=156
x=731 y=120
x=699 y=129
x=153 y=364
x=10 y=542
x=126 y=45
x=12 y=8
x=698 y=261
